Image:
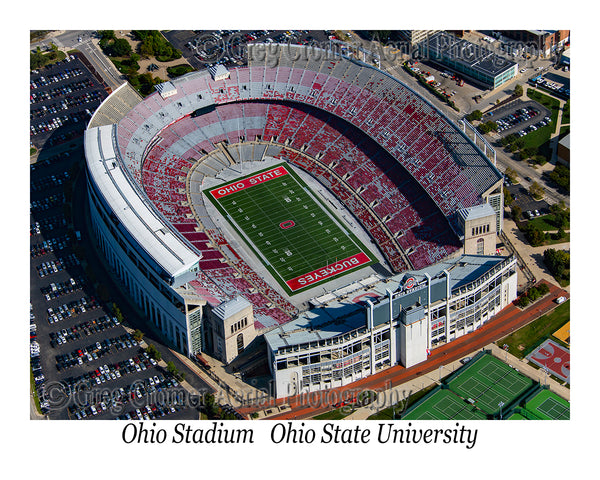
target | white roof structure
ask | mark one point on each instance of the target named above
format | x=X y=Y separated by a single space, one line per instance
x=231 y=307
x=477 y=211
x=131 y=210
x=219 y=72
x=166 y=89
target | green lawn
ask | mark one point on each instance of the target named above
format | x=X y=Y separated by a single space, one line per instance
x=546 y=223
x=521 y=342
x=542 y=135
x=300 y=241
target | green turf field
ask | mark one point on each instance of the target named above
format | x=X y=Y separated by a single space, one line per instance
x=298 y=238
x=489 y=381
x=476 y=390
x=444 y=405
x=546 y=405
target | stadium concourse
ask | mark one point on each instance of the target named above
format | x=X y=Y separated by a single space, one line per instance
x=398 y=165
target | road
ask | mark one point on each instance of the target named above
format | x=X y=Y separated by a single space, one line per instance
x=88 y=45
x=506 y=322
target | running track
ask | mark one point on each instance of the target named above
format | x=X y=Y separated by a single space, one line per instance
x=507 y=321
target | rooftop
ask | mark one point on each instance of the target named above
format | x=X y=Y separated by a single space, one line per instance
x=477 y=211
x=231 y=307
x=161 y=246
x=443 y=45
x=343 y=316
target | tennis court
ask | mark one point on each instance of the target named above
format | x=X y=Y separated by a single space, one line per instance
x=476 y=391
x=548 y=406
x=489 y=382
x=445 y=405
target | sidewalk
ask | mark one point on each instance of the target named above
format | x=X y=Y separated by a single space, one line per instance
x=532 y=256
x=222 y=396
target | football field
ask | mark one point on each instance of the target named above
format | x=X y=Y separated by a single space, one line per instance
x=298 y=238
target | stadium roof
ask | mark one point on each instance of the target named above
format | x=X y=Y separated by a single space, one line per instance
x=130 y=209
x=318 y=324
x=166 y=89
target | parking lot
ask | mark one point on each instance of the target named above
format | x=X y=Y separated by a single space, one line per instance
x=62 y=99
x=85 y=362
x=203 y=48
x=526 y=202
x=520 y=118
x=555 y=82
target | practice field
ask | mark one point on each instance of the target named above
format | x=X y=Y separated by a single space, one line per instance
x=298 y=239
x=488 y=381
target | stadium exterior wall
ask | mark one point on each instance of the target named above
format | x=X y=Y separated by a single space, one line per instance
x=401 y=326
x=165 y=311
x=174 y=312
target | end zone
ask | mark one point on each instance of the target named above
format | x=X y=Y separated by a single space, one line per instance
x=248 y=182
x=323 y=273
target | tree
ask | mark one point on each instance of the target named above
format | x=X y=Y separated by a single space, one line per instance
x=523 y=301
x=37 y=59
x=534 y=234
x=117 y=312
x=138 y=335
x=153 y=352
x=560 y=234
x=106 y=34
x=518 y=90
x=519 y=142
x=516 y=212
x=171 y=368
x=508 y=198
x=474 y=115
x=487 y=127
x=536 y=191
x=561 y=214
x=561 y=176
x=121 y=47
x=210 y=406
x=543 y=288
x=557 y=261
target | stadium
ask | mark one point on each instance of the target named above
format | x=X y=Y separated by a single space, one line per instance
x=289 y=198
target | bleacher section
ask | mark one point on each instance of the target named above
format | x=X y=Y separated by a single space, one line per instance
x=400 y=166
